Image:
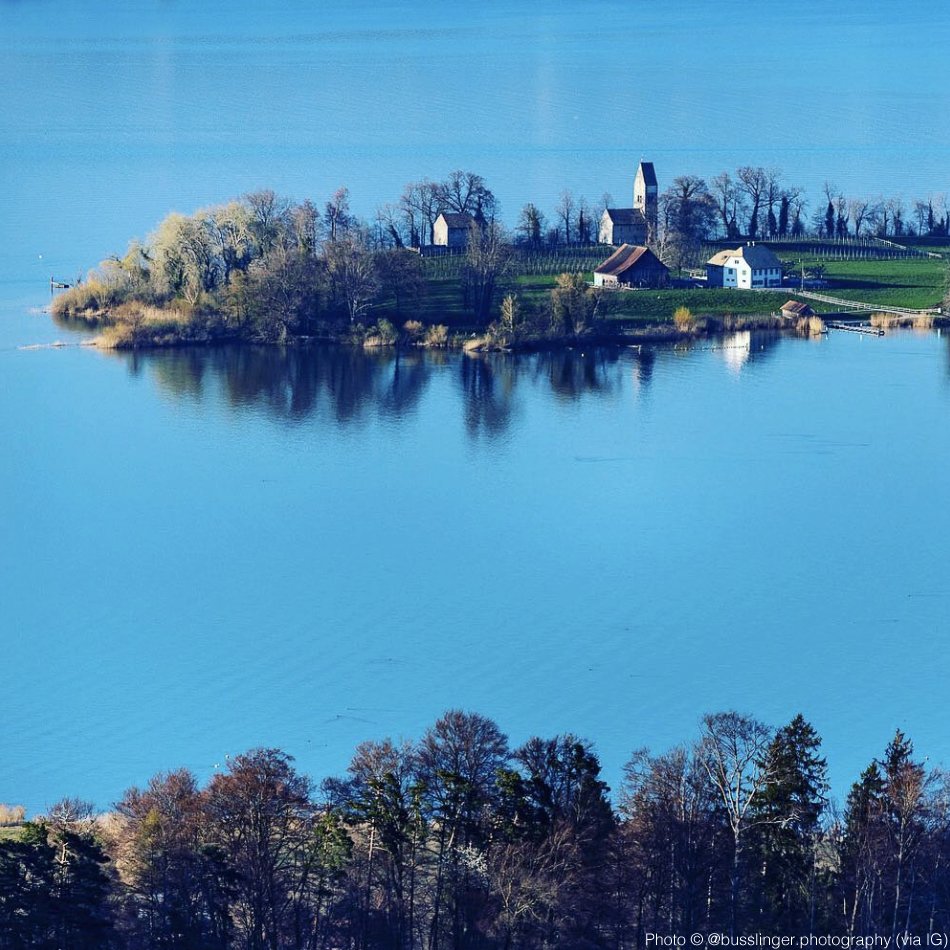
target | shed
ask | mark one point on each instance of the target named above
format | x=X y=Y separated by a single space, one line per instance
x=796 y=308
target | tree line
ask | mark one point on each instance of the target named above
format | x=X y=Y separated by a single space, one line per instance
x=458 y=840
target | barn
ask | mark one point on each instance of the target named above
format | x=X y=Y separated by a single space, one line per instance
x=632 y=265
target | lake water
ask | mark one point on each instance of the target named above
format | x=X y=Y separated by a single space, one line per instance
x=205 y=551
x=209 y=550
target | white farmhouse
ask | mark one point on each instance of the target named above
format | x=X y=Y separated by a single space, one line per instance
x=744 y=268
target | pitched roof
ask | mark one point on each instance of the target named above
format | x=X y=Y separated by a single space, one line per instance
x=625 y=257
x=625 y=215
x=456 y=219
x=757 y=257
x=797 y=307
x=649 y=175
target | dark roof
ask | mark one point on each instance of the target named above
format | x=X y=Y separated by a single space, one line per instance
x=756 y=256
x=457 y=220
x=798 y=308
x=625 y=257
x=625 y=215
x=649 y=175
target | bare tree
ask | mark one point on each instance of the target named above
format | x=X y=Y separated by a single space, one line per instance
x=754 y=183
x=532 y=225
x=268 y=217
x=734 y=752
x=861 y=212
x=261 y=815
x=466 y=192
x=421 y=203
x=352 y=274
x=487 y=257
x=772 y=197
x=728 y=201
x=565 y=213
x=337 y=214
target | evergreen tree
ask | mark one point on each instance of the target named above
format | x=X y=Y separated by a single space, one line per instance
x=859 y=850
x=787 y=814
x=783 y=217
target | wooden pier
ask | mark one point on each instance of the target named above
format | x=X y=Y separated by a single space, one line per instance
x=855 y=328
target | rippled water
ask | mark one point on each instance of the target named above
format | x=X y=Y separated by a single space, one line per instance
x=113 y=115
x=206 y=550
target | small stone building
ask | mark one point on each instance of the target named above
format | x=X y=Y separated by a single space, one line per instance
x=452 y=229
x=632 y=265
x=622 y=226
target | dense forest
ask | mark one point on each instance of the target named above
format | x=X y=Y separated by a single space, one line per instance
x=460 y=841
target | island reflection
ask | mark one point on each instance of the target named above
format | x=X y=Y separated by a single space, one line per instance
x=349 y=385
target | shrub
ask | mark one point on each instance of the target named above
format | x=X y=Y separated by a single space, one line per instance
x=437 y=335
x=683 y=319
x=414 y=330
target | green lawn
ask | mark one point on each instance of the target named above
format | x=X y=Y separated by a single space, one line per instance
x=913 y=283
x=917 y=283
x=657 y=306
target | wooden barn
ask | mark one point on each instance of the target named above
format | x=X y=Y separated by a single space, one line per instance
x=632 y=265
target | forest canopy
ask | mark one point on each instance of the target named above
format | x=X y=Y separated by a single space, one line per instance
x=461 y=840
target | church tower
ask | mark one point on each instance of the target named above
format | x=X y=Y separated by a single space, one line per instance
x=645 y=198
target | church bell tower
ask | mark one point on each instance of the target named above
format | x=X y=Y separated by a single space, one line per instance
x=645 y=198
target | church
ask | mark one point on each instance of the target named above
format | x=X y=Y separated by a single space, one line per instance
x=636 y=225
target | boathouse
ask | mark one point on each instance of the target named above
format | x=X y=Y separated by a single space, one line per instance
x=796 y=308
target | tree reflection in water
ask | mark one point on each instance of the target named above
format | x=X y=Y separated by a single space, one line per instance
x=292 y=383
x=347 y=384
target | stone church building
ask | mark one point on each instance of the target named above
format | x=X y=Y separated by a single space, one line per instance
x=636 y=225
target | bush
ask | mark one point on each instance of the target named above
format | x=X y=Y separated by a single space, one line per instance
x=683 y=319
x=414 y=330
x=437 y=335
x=383 y=334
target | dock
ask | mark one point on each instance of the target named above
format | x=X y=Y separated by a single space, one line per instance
x=865 y=328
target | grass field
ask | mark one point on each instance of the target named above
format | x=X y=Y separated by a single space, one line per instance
x=917 y=282
x=913 y=282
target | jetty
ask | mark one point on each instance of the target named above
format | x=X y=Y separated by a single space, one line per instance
x=854 y=328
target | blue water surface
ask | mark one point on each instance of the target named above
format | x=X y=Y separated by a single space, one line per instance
x=206 y=551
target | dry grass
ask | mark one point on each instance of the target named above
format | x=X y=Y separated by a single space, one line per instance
x=810 y=326
x=138 y=325
x=683 y=318
x=893 y=321
x=12 y=814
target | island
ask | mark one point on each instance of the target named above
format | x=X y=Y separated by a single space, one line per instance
x=439 y=268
